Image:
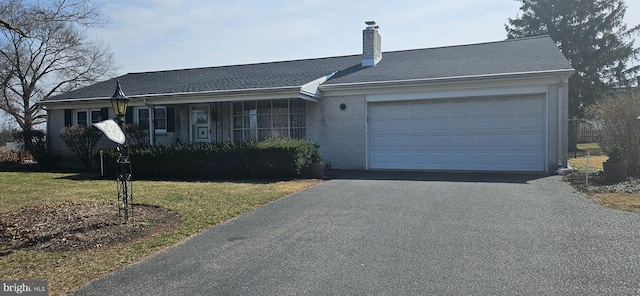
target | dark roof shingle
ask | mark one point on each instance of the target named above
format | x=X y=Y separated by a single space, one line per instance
x=535 y=54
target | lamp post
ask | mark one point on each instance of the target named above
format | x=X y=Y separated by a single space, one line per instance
x=119 y=102
x=123 y=163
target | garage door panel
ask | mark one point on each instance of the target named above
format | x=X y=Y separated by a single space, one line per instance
x=398 y=125
x=529 y=122
x=379 y=125
x=422 y=158
x=439 y=124
x=461 y=158
x=505 y=122
x=530 y=157
x=529 y=139
x=483 y=122
x=505 y=141
x=460 y=141
x=440 y=158
x=420 y=141
x=394 y=111
x=382 y=143
x=489 y=134
x=507 y=106
x=460 y=123
x=482 y=141
x=531 y=105
x=439 y=141
x=435 y=109
x=506 y=158
x=418 y=124
x=459 y=108
x=483 y=159
x=392 y=141
x=481 y=108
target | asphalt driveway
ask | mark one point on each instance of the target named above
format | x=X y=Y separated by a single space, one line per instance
x=415 y=234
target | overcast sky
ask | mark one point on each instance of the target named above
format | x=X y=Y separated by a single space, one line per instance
x=151 y=35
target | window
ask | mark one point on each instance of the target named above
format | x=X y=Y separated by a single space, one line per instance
x=88 y=117
x=143 y=118
x=160 y=118
x=81 y=118
x=96 y=116
x=260 y=120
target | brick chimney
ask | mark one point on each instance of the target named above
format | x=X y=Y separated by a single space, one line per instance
x=371 y=45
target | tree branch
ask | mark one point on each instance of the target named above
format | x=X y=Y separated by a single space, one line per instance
x=12 y=28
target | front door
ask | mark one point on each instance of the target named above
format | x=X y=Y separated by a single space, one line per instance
x=200 y=124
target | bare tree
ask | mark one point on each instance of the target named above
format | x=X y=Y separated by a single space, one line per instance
x=44 y=51
x=11 y=27
x=616 y=116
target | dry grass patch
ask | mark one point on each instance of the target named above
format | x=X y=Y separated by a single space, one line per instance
x=595 y=162
x=623 y=201
x=623 y=196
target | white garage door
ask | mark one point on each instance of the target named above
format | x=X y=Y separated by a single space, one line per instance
x=481 y=134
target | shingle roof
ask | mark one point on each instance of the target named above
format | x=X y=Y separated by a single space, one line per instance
x=535 y=54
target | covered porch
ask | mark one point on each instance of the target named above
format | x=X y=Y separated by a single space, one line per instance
x=220 y=121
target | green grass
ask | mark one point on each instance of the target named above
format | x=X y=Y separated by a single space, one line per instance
x=201 y=205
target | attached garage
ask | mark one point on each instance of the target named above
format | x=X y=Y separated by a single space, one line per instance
x=466 y=134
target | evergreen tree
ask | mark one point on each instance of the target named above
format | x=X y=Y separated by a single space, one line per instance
x=592 y=36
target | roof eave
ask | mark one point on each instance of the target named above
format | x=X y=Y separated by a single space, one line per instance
x=190 y=97
x=436 y=80
x=215 y=93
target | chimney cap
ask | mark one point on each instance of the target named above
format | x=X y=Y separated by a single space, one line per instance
x=371 y=25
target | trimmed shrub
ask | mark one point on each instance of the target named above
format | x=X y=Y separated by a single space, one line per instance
x=137 y=135
x=81 y=140
x=267 y=159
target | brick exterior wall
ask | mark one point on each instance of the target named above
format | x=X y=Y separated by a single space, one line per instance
x=340 y=133
x=55 y=145
x=371 y=47
x=55 y=123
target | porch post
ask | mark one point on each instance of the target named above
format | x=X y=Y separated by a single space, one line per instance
x=152 y=125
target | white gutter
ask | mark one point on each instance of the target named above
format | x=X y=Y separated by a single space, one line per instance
x=190 y=94
x=560 y=122
x=167 y=95
x=438 y=79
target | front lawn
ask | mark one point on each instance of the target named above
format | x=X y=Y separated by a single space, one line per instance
x=200 y=205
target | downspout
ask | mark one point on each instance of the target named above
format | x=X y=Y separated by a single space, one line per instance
x=560 y=121
x=152 y=128
x=48 y=141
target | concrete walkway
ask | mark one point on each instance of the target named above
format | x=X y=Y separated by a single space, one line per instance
x=411 y=234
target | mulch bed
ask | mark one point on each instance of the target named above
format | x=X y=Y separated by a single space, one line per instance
x=80 y=226
x=597 y=184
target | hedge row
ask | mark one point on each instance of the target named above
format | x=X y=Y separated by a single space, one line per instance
x=266 y=159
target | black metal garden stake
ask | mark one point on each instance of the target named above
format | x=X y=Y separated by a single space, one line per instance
x=123 y=162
